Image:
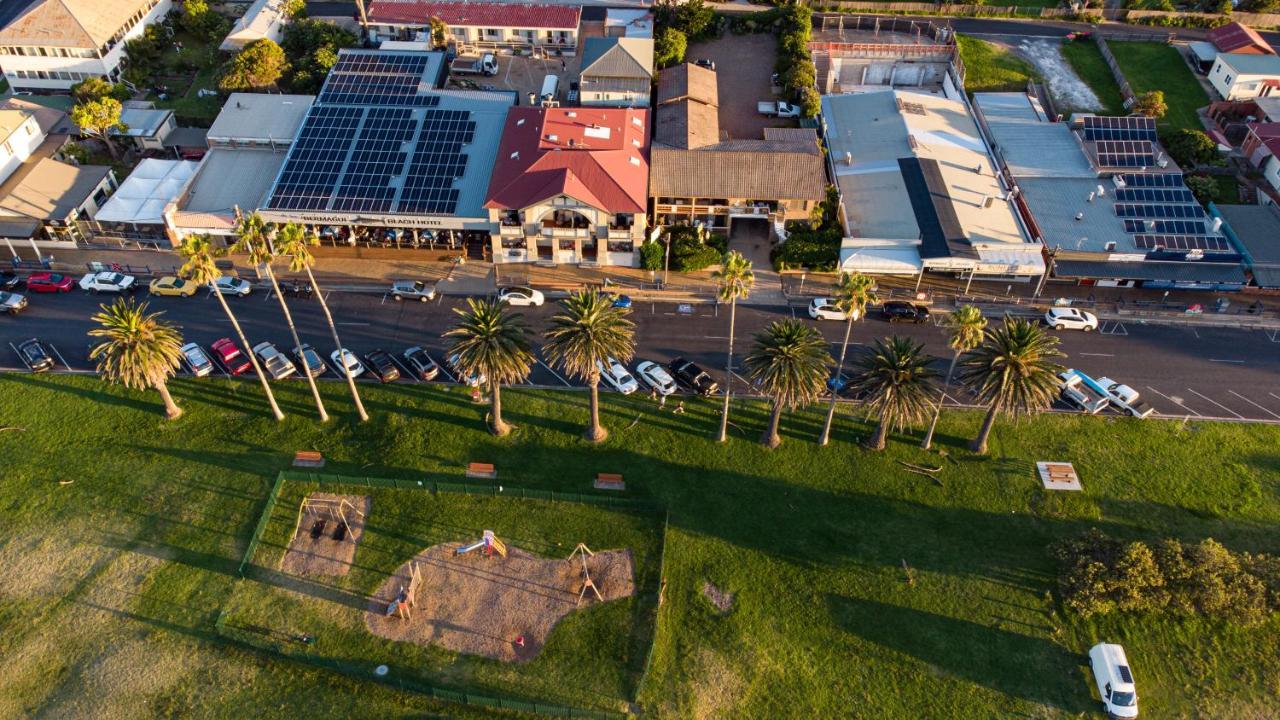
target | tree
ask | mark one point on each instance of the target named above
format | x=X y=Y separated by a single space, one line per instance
x=851 y=295
x=492 y=343
x=439 y=32
x=312 y=48
x=96 y=88
x=734 y=280
x=810 y=102
x=896 y=380
x=201 y=268
x=788 y=363
x=1202 y=186
x=965 y=329
x=97 y=118
x=197 y=19
x=670 y=47
x=295 y=9
x=138 y=350
x=1012 y=372
x=1190 y=148
x=1151 y=104
x=295 y=243
x=589 y=330
x=259 y=66
x=253 y=236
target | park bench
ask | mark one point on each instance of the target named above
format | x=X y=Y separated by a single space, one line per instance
x=481 y=470
x=609 y=481
x=308 y=459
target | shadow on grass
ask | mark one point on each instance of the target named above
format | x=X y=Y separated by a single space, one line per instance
x=106 y=395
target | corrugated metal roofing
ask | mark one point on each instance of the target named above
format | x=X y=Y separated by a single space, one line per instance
x=476 y=14
x=1201 y=272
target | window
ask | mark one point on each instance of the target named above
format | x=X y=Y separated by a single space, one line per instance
x=8 y=149
x=1227 y=80
x=621 y=246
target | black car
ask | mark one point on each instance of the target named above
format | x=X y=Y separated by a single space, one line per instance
x=9 y=280
x=421 y=363
x=898 y=310
x=380 y=362
x=693 y=377
x=36 y=355
x=704 y=62
x=308 y=358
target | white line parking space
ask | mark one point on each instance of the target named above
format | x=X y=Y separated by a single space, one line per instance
x=53 y=349
x=1260 y=407
x=1215 y=402
x=1175 y=400
x=405 y=371
x=553 y=372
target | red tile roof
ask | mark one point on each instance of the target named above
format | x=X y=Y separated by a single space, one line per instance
x=476 y=14
x=1234 y=37
x=598 y=156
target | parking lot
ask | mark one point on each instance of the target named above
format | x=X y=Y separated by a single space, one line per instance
x=742 y=85
x=525 y=74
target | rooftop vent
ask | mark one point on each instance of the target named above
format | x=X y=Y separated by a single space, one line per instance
x=634 y=161
x=1110 y=247
x=553 y=137
x=515 y=155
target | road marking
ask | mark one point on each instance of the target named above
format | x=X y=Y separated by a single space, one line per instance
x=410 y=374
x=1236 y=362
x=62 y=360
x=1097 y=354
x=1174 y=400
x=1274 y=395
x=353 y=323
x=1263 y=409
x=1215 y=402
x=553 y=372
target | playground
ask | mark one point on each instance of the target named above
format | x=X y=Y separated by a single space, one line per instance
x=328 y=530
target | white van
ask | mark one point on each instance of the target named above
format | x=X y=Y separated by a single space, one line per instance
x=1115 y=680
x=550 y=88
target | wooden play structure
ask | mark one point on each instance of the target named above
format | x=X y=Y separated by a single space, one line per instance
x=490 y=543
x=328 y=517
x=584 y=552
x=406 y=597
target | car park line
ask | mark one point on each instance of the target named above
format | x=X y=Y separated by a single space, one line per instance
x=1263 y=409
x=407 y=372
x=1234 y=362
x=54 y=349
x=1175 y=401
x=1215 y=402
x=553 y=372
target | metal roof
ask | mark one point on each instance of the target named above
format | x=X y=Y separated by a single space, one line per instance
x=1030 y=145
x=1247 y=64
x=260 y=117
x=1197 y=272
x=51 y=190
x=1255 y=229
x=476 y=14
x=623 y=57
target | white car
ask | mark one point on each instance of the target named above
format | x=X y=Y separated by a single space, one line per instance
x=412 y=290
x=196 y=359
x=521 y=296
x=353 y=363
x=277 y=365
x=234 y=286
x=473 y=380
x=615 y=374
x=825 y=309
x=656 y=377
x=106 y=281
x=1071 y=319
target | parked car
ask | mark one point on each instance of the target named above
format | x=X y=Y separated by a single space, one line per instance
x=472 y=380
x=345 y=357
x=825 y=309
x=170 y=285
x=199 y=363
x=49 y=283
x=412 y=290
x=521 y=296
x=1125 y=398
x=383 y=365
x=9 y=280
x=35 y=355
x=273 y=361
x=421 y=363
x=1071 y=319
x=706 y=63
x=618 y=300
x=307 y=357
x=656 y=377
x=107 y=281
x=12 y=303
x=232 y=358
x=693 y=377
x=1115 y=680
x=616 y=376
x=778 y=109
x=233 y=286
x=902 y=311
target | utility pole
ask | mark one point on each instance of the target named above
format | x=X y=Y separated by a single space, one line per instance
x=1048 y=270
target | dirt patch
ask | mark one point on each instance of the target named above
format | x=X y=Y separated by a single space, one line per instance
x=719 y=599
x=329 y=528
x=1070 y=92
x=480 y=605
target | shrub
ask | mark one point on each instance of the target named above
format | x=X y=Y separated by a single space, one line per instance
x=1202 y=187
x=694 y=18
x=652 y=255
x=1190 y=148
x=1151 y=104
x=312 y=48
x=693 y=249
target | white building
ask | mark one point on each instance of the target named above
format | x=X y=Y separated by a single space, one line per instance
x=265 y=19
x=53 y=44
x=1239 y=76
x=21 y=136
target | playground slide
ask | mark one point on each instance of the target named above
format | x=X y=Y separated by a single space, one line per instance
x=468 y=548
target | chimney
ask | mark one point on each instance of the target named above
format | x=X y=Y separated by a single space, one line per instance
x=988 y=201
x=978 y=168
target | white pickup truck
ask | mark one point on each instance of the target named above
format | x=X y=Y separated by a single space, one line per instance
x=1125 y=398
x=778 y=109
x=486 y=65
x=1080 y=394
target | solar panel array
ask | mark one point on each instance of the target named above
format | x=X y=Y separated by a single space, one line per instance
x=1154 y=180
x=1165 y=227
x=1126 y=153
x=1119 y=128
x=1182 y=242
x=371 y=79
x=1126 y=210
x=1155 y=195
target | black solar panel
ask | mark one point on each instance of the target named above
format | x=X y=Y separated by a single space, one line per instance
x=1165 y=227
x=1181 y=242
x=1126 y=153
x=379 y=78
x=1154 y=180
x=1126 y=210
x=1125 y=675
x=1119 y=128
x=1155 y=195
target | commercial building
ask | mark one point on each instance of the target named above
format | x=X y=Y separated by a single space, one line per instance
x=259 y=120
x=53 y=44
x=570 y=186
x=1243 y=76
x=616 y=71
x=1255 y=230
x=479 y=25
x=135 y=214
x=56 y=197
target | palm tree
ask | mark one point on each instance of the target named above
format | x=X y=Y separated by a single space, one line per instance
x=897 y=381
x=590 y=330
x=965 y=326
x=253 y=236
x=492 y=343
x=851 y=295
x=138 y=349
x=1012 y=372
x=295 y=243
x=201 y=268
x=735 y=280
x=789 y=363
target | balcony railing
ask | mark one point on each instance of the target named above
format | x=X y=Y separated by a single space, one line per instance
x=565 y=232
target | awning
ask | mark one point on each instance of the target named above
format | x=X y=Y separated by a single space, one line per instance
x=1013 y=260
x=142 y=197
x=880 y=260
x=1266 y=276
x=17 y=228
x=1189 y=271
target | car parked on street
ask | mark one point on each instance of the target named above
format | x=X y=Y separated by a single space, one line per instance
x=49 y=283
x=472 y=380
x=273 y=361
x=197 y=361
x=232 y=358
x=412 y=290
x=233 y=286
x=521 y=296
x=421 y=363
x=656 y=377
x=9 y=280
x=107 y=281
x=383 y=366
x=35 y=355
x=174 y=286
x=12 y=303
x=693 y=377
x=902 y=311
x=826 y=309
x=1070 y=319
x=616 y=376
x=345 y=358
x=307 y=357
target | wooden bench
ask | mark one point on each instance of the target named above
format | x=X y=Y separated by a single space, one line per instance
x=481 y=470
x=308 y=459
x=609 y=481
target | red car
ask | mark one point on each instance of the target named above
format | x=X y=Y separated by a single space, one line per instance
x=44 y=282
x=236 y=362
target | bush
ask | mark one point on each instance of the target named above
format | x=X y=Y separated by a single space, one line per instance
x=1202 y=187
x=670 y=47
x=1151 y=104
x=257 y=67
x=694 y=18
x=694 y=249
x=312 y=48
x=652 y=256
x=1190 y=148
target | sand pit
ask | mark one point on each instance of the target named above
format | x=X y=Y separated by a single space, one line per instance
x=329 y=528
x=479 y=605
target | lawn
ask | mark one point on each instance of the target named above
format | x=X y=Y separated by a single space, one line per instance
x=991 y=68
x=859 y=590
x=187 y=71
x=1086 y=60
x=1157 y=66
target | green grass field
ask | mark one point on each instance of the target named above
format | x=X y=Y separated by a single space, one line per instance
x=1086 y=60
x=989 y=68
x=124 y=531
x=1157 y=66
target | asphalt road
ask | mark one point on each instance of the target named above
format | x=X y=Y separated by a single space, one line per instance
x=1211 y=373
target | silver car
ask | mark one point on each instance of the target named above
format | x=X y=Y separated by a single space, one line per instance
x=412 y=290
x=233 y=286
x=197 y=360
x=277 y=365
x=12 y=303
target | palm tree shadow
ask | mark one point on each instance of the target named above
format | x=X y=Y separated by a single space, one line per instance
x=103 y=396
